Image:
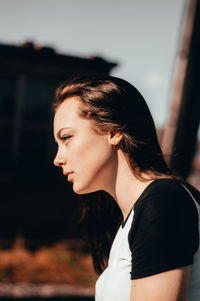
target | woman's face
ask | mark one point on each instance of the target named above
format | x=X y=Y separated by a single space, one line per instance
x=89 y=156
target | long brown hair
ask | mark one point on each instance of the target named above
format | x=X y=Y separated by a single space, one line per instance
x=115 y=105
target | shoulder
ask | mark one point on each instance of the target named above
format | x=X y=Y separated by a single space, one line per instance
x=164 y=230
x=165 y=208
x=163 y=194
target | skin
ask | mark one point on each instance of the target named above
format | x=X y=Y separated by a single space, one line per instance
x=98 y=165
x=167 y=286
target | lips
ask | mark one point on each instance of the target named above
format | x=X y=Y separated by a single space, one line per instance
x=67 y=173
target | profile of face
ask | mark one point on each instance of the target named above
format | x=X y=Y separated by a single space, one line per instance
x=90 y=158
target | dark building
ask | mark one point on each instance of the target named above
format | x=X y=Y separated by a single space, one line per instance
x=36 y=201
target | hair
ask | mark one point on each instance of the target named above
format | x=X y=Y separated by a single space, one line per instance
x=115 y=106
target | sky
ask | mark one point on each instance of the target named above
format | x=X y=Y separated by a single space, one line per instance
x=142 y=36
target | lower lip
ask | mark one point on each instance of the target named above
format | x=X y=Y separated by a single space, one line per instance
x=68 y=177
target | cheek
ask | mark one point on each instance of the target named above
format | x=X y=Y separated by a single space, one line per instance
x=92 y=157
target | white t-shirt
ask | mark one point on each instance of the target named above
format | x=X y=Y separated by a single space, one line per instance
x=114 y=284
x=134 y=253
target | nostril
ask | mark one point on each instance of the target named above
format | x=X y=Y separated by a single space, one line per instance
x=58 y=162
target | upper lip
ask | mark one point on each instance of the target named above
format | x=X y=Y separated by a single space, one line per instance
x=67 y=172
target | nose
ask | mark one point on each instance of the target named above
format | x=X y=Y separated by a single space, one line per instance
x=58 y=161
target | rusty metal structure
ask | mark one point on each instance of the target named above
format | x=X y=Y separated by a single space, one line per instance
x=180 y=133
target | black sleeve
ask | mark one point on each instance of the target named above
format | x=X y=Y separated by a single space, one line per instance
x=164 y=233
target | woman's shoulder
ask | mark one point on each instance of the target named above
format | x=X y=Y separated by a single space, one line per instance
x=165 y=210
x=167 y=192
x=168 y=188
x=164 y=233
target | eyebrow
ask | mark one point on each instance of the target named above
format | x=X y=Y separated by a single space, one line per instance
x=58 y=134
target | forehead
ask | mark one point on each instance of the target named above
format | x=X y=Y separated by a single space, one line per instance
x=67 y=114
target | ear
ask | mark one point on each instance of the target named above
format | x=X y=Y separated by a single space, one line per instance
x=115 y=138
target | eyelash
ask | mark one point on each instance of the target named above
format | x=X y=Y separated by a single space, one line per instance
x=65 y=138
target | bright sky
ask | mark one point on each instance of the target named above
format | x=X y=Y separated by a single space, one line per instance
x=143 y=36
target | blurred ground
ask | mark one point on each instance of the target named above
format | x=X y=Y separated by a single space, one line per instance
x=26 y=291
x=64 y=266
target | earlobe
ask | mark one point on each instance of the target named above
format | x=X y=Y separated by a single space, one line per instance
x=115 y=138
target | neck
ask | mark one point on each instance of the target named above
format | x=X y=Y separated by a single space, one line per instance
x=124 y=187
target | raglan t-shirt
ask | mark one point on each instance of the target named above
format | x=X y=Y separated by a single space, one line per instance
x=160 y=233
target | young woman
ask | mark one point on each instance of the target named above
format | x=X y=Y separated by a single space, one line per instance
x=141 y=220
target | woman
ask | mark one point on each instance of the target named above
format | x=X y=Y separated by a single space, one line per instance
x=141 y=220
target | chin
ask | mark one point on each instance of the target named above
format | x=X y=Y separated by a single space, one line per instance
x=79 y=190
x=83 y=190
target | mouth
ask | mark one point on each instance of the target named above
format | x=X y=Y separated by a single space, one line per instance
x=68 y=174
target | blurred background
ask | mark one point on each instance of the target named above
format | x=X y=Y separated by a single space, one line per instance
x=152 y=44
